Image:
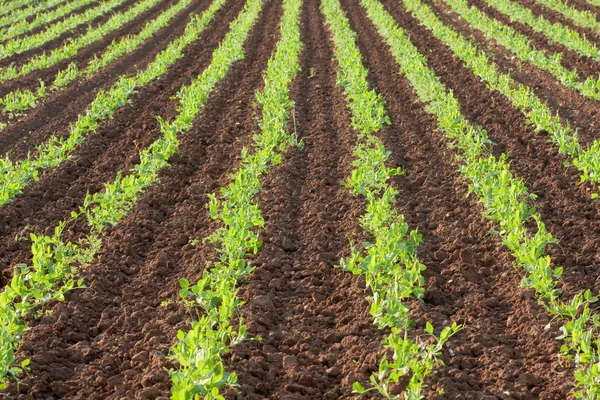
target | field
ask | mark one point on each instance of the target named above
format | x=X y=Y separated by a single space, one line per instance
x=300 y=199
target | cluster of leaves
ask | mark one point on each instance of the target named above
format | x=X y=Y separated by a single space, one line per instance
x=16 y=16
x=14 y=176
x=42 y=18
x=49 y=277
x=505 y=199
x=390 y=264
x=21 y=44
x=585 y=18
x=521 y=47
x=72 y=46
x=556 y=32
x=201 y=372
x=116 y=50
x=21 y=100
x=537 y=113
x=55 y=262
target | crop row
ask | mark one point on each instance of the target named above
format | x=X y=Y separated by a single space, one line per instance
x=13 y=5
x=25 y=99
x=72 y=46
x=42 y=19
x=522 y=48
x=556 y=32
x=198 y=351
x=25 y=43
x=55 y=262
x=537 y=113
x=15 y=175
x=16 y=16
x=584 y=19
x=505 y=199
x=390 y=265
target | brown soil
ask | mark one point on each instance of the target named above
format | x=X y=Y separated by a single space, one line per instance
x=111 y=341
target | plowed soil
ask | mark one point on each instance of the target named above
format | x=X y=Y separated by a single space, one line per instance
x=111 y=341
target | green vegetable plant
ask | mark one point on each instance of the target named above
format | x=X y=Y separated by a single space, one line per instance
x=113 y=52
x=522 y=97
x=390 y=264
x=21 y=44
x=18 y=101
x=201 y=373
x=505 y=200
x=15 y=175
x=556 y=32
x=521 y=47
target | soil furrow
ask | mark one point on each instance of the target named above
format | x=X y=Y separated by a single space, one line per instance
x=317 y=335
x=84 y=55
x=571 y=59
x=504 y=347
x=73 y=33
x=115 y=146
x=118 y=333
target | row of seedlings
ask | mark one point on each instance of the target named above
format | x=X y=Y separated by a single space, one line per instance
x=73 y=45
x=390 y=265
x=201 y=372
x=521 y=47
x=56 y=261
x=15 y=5
x=16 y=16
x=21 y=44
x=41 y=19
x=522 y=97
x=18 y=101
x=556 y=32
x=505 y=200
x=584 y=19
x=52 y=153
